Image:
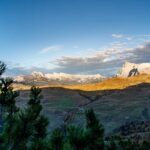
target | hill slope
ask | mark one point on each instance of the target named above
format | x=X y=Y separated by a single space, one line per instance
x=107 y=84
x=113 y=83
x=113 y=107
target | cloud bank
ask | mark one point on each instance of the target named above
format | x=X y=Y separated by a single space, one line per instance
x=106 y=62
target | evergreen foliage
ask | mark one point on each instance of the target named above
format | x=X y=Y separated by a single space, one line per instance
x=94 y=132
x=57 y=140
x=76 y=138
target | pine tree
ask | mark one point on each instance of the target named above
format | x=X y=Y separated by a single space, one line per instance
x=27 y=128
x=30 y=127
x=76 y=138
x=8 y=108
x=38 y=140
x=39 y=122
x=22 y=129
x=57 y=140
x=94 y=132
x=111 y=144
x=7 y=97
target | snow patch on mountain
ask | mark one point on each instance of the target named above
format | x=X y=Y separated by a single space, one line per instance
x=59 y=78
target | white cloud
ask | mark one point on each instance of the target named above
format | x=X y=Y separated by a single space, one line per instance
x=121 y=36
x=129 y=38
x=51 y=48
x=118 y=44
x=117 y=36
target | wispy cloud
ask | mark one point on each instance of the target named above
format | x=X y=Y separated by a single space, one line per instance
x=51 y=48
x=122 y=36
x=118 y=44
x=117 y=36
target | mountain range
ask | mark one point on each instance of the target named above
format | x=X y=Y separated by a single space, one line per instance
x=40 y=78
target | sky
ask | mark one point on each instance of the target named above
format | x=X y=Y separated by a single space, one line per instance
x=73 y=36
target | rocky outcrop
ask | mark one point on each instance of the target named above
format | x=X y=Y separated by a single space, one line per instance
x=131 y=69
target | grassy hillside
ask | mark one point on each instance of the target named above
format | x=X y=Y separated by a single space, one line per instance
x=107 y=84
x=113 y=83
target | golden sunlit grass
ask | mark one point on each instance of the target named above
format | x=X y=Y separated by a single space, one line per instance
x=113 y=83
x=107 y=84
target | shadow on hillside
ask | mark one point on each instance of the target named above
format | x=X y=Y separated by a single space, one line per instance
x=113 y=107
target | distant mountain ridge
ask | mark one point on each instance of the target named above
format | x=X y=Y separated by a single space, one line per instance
x=58 y=78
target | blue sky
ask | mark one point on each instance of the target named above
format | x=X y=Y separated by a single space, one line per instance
x=73 y=36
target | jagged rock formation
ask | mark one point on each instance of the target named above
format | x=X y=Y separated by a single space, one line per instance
x=131 y=69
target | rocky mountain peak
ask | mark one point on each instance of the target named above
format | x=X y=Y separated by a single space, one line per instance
x=131 y=69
